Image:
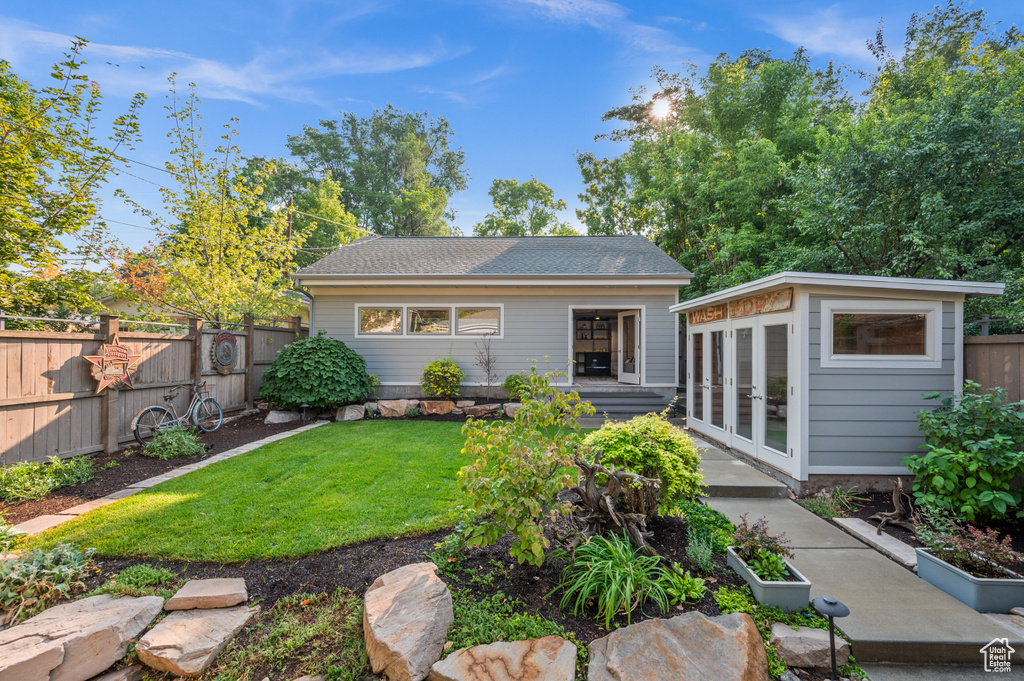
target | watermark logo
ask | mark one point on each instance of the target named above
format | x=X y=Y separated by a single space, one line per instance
x=997 y=655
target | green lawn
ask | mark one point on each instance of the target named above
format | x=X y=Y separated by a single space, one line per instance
x=330 y=486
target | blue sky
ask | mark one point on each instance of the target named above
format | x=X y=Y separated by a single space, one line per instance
x=523 y=82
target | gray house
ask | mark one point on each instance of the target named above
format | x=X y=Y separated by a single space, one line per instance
x=820 y=376
x=596 y=308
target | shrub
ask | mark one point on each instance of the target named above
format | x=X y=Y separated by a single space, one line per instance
x=521 y=466
x=319 y=371
x=613 y=574
x=754 y=540
x=705 y=524
x=38 y=578
x=699 y=551
x=974 y=452
x=966 y=547
x=651 y=446
x=170 y=443
x=26 y=481
x=442 y=379
x=516 y=386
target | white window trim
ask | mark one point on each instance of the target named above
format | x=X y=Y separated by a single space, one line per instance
x=933 y=334
x=405 y=307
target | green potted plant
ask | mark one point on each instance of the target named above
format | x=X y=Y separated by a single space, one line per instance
x=969 y=564
x=760 y=558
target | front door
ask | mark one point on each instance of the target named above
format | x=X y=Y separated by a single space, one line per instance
x=629 y=347
x=709 y=398
x=761 y=390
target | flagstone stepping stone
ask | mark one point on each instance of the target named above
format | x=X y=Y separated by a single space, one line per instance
x=134 y=673
x=405 y=621
x=807 y=648
x=187 y=641
x=74 y=641
x=690 y=647
x=209 y=593
x=551 y=658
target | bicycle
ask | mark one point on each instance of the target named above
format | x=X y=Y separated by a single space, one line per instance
x=203 y=412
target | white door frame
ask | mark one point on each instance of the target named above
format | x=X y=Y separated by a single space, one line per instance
x=634 y=377
x=720 y=434
x=641 y=311
x=783 y=460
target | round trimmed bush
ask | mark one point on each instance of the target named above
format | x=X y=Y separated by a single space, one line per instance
x=517 y=386
x=652 y=447
x=319 y=371
x=442 y=379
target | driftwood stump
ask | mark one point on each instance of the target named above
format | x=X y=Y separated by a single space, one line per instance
x=625 y=504
x=904 y=516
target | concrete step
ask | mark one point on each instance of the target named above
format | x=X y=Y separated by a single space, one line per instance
x=728 y=477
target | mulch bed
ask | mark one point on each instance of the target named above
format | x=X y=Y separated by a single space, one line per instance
x=131 y=467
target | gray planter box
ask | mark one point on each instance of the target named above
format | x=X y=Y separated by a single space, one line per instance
x=790 y=596
x=982 y=594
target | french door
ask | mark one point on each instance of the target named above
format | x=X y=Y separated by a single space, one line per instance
x=709 y=397
x=761 y=389
x=629 y=347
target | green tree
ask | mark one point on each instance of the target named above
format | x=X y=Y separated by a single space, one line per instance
x=51 y=164
x=214 y=261
x=397 y=170
x=523 y=209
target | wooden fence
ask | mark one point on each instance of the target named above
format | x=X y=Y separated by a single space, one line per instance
x=996 y=361
x=48 y=400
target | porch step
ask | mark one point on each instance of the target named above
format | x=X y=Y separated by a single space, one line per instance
x=624 y=404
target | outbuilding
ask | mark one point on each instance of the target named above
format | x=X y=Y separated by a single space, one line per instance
x=820 y=376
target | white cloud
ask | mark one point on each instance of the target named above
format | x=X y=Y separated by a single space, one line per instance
x=826 y=32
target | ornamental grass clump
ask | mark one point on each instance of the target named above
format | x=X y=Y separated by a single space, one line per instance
x=652 y=447
x=319 y=371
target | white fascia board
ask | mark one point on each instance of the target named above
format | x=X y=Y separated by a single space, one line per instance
x=461 y=281
x=969 y=288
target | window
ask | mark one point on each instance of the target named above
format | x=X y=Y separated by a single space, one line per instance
x=478 y=320
x=881 y=333
x=380 y=320
x=419 y=321
x=430 y=320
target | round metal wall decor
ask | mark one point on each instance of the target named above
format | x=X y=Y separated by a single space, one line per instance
x=225 y=352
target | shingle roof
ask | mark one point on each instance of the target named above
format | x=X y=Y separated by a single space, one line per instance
x=378 y=257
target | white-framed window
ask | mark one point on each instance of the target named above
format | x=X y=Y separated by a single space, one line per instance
x=429 y=320
x=881 y=334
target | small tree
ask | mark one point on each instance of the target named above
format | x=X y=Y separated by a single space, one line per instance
x=487 y=361
x=521 y=467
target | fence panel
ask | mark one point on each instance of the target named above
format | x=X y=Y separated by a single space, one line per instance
x=996 y=361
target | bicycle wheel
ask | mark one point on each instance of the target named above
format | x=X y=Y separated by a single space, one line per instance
x=207 y=415
x=151 y=421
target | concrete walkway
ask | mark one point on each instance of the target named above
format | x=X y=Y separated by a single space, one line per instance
x=895 y=616
x=45 y=522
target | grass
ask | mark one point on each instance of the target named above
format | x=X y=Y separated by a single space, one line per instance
x=334 y=485
x=141 y=580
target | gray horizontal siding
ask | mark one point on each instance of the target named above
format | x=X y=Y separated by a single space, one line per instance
x=536 y=327
x=865 y=416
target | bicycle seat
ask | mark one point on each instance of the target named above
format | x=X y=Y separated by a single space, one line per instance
x=200 y=385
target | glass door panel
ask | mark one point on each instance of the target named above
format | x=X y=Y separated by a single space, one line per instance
x=697 y=362
x=716 y=373
x=745 y=383
x=776 y=393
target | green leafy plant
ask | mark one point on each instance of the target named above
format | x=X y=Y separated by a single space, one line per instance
x=832 y=503
x=769 y=567
x=650 y=446
x=681 y=586
x=967 y=547
x=173 y=442
x=412 y=412
x=516 y=386
x=319 y=371
x=755 y=541
x=610 y=572
x=975 y=450
x=139 y=580
x=449 y=553
x=705 y=524
x=442 y=379
x=26 y=481
x=34 y=580
x=8 y=536
x=699 y=551
x=371 y=393
x=521 y=466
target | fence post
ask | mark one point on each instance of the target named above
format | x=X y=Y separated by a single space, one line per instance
x=195 y=329
x=297 y=326
x=109 y=409
x=250 y=358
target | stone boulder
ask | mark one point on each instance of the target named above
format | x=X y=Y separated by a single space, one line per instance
x=684 y=648
x=393 y=409
x=551 y=658
x=353 y=412
x=457 y=412
x=209 y=593
x=276 y=416
x=74 y=641
x=482 y=410
x=512 y=408
x=807 y=648
x=436 y=406
x=187 y=641
x=405 y=621
x=462 y=404
x=136 y=672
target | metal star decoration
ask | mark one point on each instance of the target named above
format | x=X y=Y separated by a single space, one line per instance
x=112 y=367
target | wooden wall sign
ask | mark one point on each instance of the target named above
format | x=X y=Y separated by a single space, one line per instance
x=776 y=301
x=225 y=352
x=113 y=366
x=711 y=313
